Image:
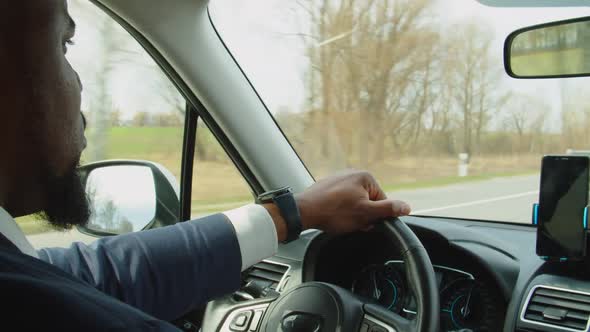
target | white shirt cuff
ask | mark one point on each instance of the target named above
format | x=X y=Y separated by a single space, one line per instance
x=256 y=233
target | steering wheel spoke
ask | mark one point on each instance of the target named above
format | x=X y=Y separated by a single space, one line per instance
x=378 y=319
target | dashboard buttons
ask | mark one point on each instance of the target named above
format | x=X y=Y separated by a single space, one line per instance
x=256 y=320
x=377 y=328
x=244 y=319
x=241 y=321
x=364 y=327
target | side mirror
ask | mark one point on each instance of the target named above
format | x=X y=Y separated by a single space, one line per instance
x=129 y=195
x=550 y=50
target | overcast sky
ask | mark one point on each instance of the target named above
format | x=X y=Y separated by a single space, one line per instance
x=274 y=62
x=259 y=33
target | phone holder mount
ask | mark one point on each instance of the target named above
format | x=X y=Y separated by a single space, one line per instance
x=585 y=221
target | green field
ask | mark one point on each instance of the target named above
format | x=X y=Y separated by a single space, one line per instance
x=31 y=225
x=162 y=145
x=549 y=63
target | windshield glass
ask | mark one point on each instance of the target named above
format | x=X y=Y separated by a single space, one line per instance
x=413 y=91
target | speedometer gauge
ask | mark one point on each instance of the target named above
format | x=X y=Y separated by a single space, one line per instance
x=469 y=304
x=461 y=306
x=383 y=285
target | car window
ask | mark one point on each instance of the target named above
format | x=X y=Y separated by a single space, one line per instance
x=217 y=184
x=132 y=109
x=413 y=91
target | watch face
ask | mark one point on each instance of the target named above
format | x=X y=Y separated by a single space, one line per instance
x=267 y=196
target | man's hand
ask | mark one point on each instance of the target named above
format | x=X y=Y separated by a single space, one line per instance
x=342 y=203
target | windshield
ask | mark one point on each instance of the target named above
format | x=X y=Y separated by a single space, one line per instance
x=413 y=91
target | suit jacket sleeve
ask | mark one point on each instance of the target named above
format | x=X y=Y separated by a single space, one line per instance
x=165 y=272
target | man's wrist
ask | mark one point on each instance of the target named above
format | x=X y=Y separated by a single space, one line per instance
x=277 y=219
x=281 y=224
x=307 y=220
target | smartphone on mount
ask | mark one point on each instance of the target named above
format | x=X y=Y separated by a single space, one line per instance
x=563 y=201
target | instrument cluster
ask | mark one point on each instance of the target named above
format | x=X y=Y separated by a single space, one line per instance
x=466 y=303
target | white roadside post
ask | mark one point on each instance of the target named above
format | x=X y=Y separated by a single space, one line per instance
x=463 y=164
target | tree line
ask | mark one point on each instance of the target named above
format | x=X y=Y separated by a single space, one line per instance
x=386 y=78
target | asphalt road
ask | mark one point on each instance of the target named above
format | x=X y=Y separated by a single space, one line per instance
x=501 y=199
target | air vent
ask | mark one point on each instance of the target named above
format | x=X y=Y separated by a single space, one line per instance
x=561 y=308
x=265 y=273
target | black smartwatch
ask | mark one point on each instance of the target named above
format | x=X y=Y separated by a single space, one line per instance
x=283 y=198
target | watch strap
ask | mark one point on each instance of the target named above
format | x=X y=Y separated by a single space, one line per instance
x=290 y=212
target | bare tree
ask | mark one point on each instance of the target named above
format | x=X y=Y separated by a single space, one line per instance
x=366 y=58
x=474 y=81
x=141 y=119
x=575 y=116
x=527 y=116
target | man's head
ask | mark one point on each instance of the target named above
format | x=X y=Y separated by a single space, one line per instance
x=41 y=127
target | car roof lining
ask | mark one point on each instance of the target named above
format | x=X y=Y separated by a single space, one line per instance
x=535 y=3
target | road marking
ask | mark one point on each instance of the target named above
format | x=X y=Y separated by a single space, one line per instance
x=481 y=201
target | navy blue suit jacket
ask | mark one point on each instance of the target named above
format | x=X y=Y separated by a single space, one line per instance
x=132 y=282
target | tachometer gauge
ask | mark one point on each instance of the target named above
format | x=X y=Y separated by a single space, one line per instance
x=383 y=285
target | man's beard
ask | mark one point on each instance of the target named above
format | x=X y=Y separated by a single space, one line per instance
x=66 y=201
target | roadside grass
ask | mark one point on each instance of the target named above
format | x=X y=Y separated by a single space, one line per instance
x=32 y=225
x=204 y=207
x=201 y=209
x=218 y=186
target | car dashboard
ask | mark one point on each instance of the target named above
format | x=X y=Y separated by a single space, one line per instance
x=369 y=266
x=489 y=277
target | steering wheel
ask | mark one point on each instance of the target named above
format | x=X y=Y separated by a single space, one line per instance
x=317 y=306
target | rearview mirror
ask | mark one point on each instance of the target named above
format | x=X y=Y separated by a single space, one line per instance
x=128 y=196
x=550 y=50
